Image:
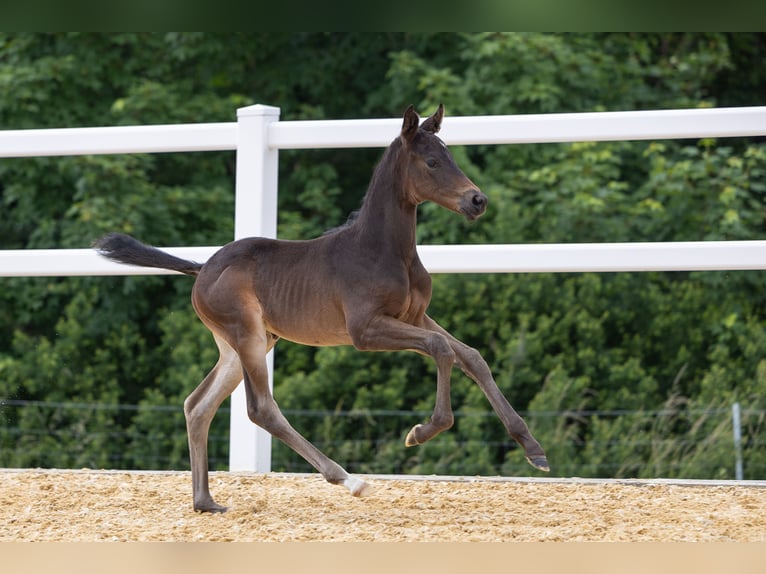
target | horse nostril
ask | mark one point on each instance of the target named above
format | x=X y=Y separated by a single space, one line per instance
x=473 y=204
x=479 y=200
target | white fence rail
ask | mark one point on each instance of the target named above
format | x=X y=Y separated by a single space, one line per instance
x=487 y=258
x=258 y=135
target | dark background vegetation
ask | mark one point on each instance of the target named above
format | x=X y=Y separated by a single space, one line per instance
x=629 y=374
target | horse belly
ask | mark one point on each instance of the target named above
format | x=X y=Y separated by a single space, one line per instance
x=314 y=334
x=306 y=319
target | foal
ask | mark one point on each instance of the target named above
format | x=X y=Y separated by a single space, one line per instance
x=361 y=284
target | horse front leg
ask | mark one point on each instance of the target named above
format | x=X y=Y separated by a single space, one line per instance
x=442 y=417
x=384 y=333
x=473 y=364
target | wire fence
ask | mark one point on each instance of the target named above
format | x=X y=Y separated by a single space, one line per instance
x=668 y=442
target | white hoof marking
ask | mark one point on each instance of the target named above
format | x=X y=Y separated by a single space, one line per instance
x=357 y=486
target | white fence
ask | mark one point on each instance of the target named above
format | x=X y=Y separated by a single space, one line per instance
x=258 y=135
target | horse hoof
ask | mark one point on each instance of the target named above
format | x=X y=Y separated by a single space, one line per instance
x=211 y=507
x=540 y=463
x=357 y=486
x=410 y=440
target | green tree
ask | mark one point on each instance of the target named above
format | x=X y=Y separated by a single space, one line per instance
x=592 y=345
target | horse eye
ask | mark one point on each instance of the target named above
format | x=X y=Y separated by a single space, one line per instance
x=432 y=163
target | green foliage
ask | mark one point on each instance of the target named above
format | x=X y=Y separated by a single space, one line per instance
x=103 y=364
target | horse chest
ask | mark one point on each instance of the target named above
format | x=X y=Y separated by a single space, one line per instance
x=412 y=308
x=410 y=299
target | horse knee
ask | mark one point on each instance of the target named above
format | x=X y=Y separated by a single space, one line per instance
x=440 y=349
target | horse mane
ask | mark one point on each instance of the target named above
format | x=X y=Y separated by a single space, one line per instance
x=353 y=216
x=380 y=172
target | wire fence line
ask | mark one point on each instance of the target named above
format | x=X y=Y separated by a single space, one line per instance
x=321 y=413
x=364 y=441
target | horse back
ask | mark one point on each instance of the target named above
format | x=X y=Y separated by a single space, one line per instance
x=306 y=289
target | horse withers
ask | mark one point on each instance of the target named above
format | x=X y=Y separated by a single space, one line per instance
x=361 y=284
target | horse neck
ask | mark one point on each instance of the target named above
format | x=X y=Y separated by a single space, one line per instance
x=387 y=218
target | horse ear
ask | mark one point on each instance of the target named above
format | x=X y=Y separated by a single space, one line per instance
x=434 y=123
x=410 y=123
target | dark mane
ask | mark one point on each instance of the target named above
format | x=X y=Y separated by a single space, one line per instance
x=348 y=223
x=381 y=168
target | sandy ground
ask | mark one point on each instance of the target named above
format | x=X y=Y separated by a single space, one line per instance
x=138 y=506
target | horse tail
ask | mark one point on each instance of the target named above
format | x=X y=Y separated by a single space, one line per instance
x=125 y=249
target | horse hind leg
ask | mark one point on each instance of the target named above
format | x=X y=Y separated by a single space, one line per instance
x=262 y=410
x=200 y=408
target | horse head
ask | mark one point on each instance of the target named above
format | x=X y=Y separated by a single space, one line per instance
x=432 y=174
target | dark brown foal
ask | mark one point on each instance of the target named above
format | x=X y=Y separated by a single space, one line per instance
x=361 y=284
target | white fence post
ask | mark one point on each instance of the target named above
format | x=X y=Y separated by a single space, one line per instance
x=255 y=215
x=736 y=421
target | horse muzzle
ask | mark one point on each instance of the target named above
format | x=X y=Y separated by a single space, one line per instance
x=473 y=205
